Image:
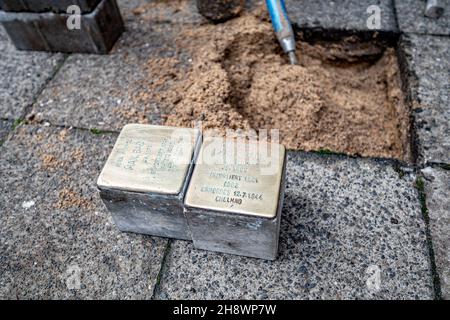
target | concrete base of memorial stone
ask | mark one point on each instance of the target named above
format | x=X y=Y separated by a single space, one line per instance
x=59 y=6
x=344 y=222
x=148 y=214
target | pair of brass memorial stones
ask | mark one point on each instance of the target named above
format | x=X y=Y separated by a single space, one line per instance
x=223 y=194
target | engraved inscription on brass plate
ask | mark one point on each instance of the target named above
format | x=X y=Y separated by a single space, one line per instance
x=149 y=158
x=223 y=182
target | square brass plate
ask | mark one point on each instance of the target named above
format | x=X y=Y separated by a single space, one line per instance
x=222 y=182
x=149 y=158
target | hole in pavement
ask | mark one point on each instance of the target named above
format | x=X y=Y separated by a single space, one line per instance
x=344 y=96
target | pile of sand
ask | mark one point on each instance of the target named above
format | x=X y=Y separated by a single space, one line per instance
x=344 y=97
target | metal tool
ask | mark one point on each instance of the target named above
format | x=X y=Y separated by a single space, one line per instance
x=434 y=9
x=282 y=27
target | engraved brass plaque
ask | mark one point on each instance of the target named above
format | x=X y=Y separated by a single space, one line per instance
x=237 y=176
x=149 y=158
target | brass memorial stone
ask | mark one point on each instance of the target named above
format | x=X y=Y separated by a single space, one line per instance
x=145 y=177
x=234 y=199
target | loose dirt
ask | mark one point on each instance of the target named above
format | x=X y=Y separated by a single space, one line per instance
x=343 y=96
x=68 y=198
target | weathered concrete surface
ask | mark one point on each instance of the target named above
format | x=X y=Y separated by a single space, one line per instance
x=343 y=220
x=22 y=76
x=426 y=64
x=437 y=190
x=97 y=33
x=219 y=10
x=47 y=5
x=56 y=238
x=107 y=92
x=146 y=213
x=5 y=128
x=411 y=18
x=236 y=209
x=340 y=15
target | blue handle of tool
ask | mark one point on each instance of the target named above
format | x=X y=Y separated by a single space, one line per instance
x=279 y=16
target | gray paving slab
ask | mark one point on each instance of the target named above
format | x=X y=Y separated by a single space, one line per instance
x=155 y=11
x=411 y=18
x=22 y=77
x=107 y=92
x=5 y=128
x=4 y=40
x=437 y=190
x=351 y=228
x=426 y=61
x=341 y=15
x=57 y=240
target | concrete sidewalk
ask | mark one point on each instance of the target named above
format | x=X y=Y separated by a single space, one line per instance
x=352 y=228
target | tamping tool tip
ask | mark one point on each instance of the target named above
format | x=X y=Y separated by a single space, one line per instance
x=292 y=57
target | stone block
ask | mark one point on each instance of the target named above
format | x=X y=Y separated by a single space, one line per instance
x=145 y=178
x=58 y=6
x=232 y=206
x=412 y=19
x=48 y=31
